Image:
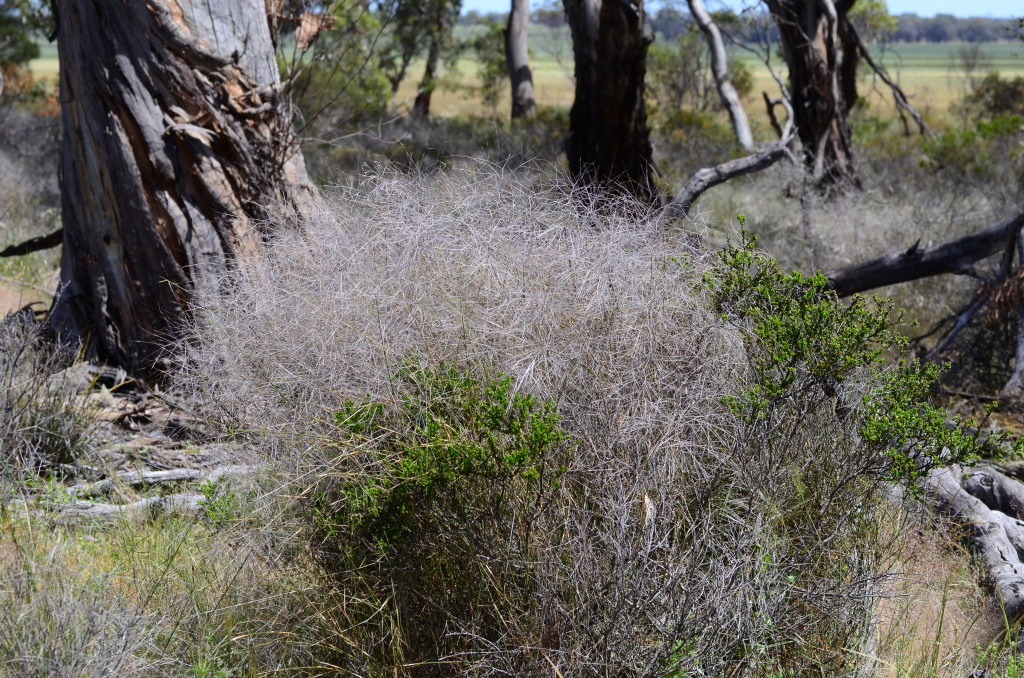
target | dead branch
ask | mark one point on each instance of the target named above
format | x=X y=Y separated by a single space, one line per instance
x=770 y=104
x=982 y=297
x=709 y=177
x=898 y=95
x=43 y=242
x=957 y=256
x=144 y=478
x=88 y=510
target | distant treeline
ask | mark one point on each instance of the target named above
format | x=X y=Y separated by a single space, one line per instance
x=909 y=27
x=947 y=28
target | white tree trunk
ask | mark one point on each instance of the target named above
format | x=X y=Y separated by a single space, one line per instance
x=720 y=68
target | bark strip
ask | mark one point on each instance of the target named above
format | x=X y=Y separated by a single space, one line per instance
x=957 y=256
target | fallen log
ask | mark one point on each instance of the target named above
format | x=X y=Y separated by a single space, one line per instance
x=998 y=491
x=957 y=256
x=144 y=478
x=135 y=479
x=138 y=510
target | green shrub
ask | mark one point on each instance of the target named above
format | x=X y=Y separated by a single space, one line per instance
x=426 y=491
x=998 y=97
x=803 y=340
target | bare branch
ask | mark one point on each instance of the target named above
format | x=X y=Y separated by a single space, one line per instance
x=709 y=177
x=43 y=242
x=902 y=104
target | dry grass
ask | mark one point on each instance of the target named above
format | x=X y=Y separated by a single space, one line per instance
x=938 y=616
x=678 y=542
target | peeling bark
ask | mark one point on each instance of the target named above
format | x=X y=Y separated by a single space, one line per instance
x=518 y=59
x=176 y=142
x=609 y=144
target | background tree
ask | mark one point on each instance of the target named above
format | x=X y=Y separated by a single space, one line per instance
x=438 y=19
x=19 y=20
x=679 y=75
x=177 y=142
x=518 y=58
x=809 y=31
x=609 y=142
x=338 y=83
x=492 y=66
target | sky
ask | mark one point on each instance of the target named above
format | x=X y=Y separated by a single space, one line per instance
x=961 y=8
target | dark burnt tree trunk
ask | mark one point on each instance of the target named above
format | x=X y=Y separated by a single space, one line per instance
x=421 y=105
x=809 y=30
x=849 y=57
x=609 y=145
x=518 y=58
x=176 y=141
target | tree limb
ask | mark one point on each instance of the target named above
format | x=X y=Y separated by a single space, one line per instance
x=897 y=93
x=43 y=242
x=720 y=68
x=709 y=177
x=957 y=256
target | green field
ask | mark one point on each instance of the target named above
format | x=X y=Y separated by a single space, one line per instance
x=926 y=71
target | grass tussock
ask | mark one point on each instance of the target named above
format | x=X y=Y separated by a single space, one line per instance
x=526 y=431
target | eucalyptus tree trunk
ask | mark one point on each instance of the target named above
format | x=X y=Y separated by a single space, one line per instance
x=518 y=58
x=609 y=145
x=177 y=146
x=809 y=34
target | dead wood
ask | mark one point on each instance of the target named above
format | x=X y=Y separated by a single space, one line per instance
x=998 y=491
x=43 y=242
x=996 y=536
x=145 y=478
x=957 y=256
x=136 y=479
x=89 y=510
x=709 y=177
